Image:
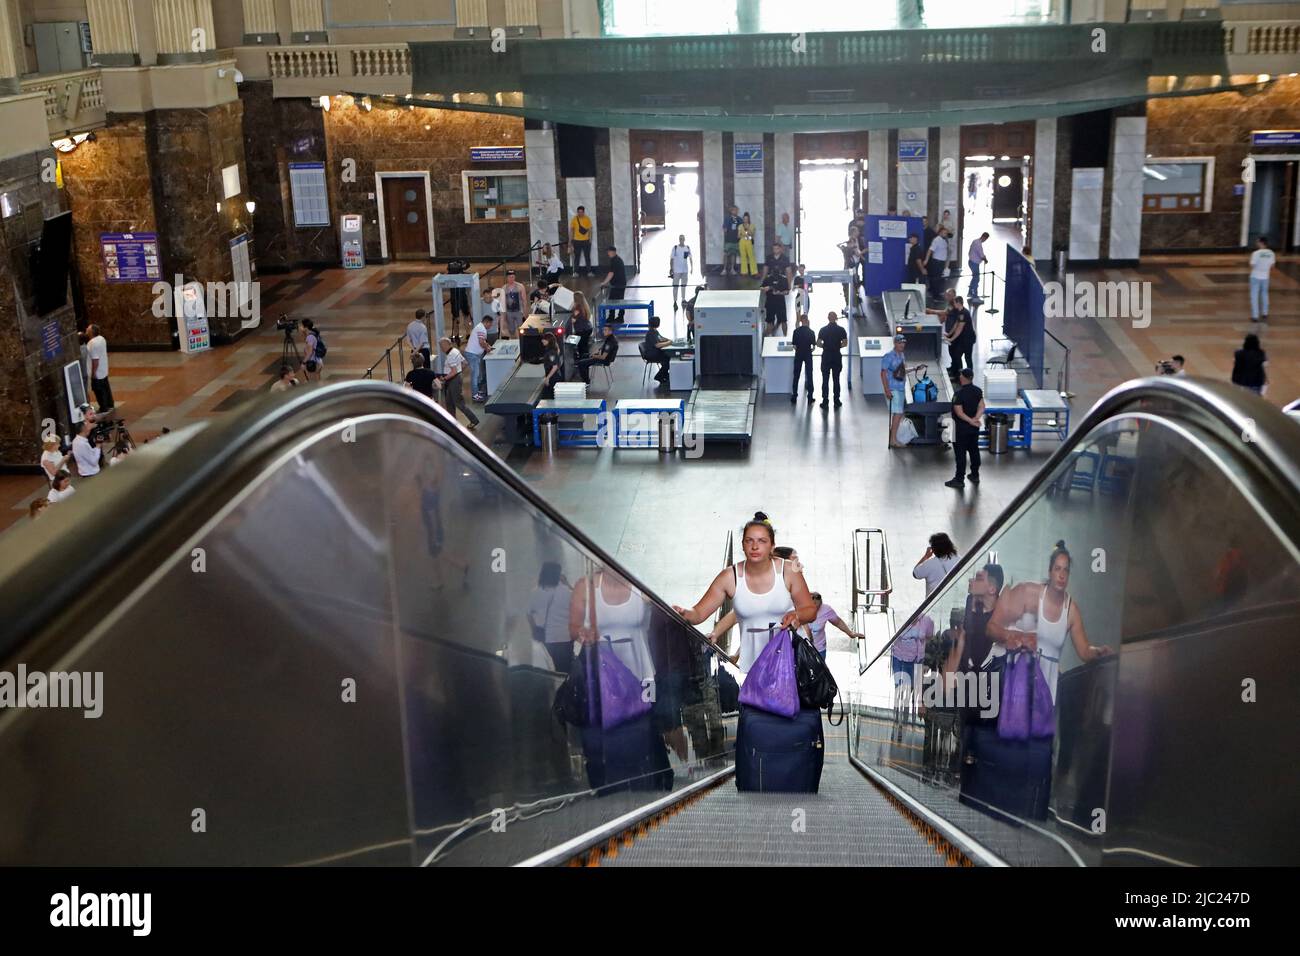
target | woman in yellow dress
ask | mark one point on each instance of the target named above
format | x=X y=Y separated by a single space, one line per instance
x=748 y=264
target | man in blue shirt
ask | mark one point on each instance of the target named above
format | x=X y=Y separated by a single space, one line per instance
x=893 y=376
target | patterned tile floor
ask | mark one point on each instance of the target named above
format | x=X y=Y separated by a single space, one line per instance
x=1198 y=306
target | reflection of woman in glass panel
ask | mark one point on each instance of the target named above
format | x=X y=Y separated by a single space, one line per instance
x=1033 y=616
x=622 y=621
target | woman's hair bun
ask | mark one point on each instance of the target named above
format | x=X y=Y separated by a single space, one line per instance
x=1060 y=545
x=759 y=516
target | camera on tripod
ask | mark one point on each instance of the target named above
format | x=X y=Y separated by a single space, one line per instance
x=286 y=323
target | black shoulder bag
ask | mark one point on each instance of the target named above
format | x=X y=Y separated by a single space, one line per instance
x=817 y=688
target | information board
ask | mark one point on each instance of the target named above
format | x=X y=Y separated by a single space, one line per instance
x=130 y=256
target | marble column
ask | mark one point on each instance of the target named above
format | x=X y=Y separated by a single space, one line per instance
x=112 y=24
x=949 y=187
x=184 y=30
x=914 y=174
x=1085 y=213
x=259 y=22
x=1044 y=188
x=711 y=198
x=543 y=191
x=620 y=186
x=747 y=188
x=12 y=63
x=878 y=172
x=308 y=19
x=784 y=182
x=1129 y=147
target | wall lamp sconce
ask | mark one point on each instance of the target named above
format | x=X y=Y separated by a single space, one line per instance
x=68 y=144
x=251 y=206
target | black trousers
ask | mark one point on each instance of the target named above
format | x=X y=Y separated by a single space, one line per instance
x=966 y=442
x=776 y=313
x=584 y=367
x=103 y=392
x=803 y=363
x=960 y=356
x=936 y=269
x=581 y=255
x=663 y=360
x=831 y=373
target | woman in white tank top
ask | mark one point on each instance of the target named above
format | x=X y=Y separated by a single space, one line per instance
x=768 y=593
x=1039 y=617
x=622 y=621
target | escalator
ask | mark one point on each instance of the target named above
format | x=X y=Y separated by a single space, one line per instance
x=330 y=630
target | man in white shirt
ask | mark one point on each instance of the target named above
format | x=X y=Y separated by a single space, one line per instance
x=785 y=235
x=475 y=349
x=452 y=382
x=1261 y=262
x=97 y=352
x=936 y=261
x=84 y=452
x=975 y=258
x=417 y=336
x=679 y=268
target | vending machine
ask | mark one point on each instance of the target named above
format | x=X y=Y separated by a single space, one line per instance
x=354 y=254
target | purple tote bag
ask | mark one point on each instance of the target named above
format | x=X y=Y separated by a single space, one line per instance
x=622 y=696
x=1027 y=709
x=770 y=684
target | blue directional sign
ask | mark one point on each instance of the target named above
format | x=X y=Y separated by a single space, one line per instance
x=748 y=158
x=912 y=149
x=1275 y=137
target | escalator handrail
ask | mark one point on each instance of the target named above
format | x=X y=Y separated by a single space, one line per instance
x=63 y=571
x=1273 y=435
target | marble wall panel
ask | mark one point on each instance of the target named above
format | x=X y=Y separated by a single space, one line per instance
x=1217 y=125
x=436 y=141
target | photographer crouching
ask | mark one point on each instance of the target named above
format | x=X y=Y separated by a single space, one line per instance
x=1171 y=366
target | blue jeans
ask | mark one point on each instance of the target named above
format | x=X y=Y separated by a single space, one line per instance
x=477 y=374
x=974 y=281
x=1258 y=297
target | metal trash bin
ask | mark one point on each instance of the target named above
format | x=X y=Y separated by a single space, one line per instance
x=999 y=431
x=667 y=433
x=549 y=429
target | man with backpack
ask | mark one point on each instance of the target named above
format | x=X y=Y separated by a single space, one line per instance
x=314 y=348
x=893 y=378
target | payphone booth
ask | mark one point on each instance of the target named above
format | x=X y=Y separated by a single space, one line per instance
x=350 y=242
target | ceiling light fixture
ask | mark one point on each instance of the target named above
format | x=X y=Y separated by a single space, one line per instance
x=251 y=206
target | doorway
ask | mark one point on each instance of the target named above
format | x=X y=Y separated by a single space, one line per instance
x=405 y=216
x=1274 y=205
x=669 y=210
x=995 y=198
x=829 y=191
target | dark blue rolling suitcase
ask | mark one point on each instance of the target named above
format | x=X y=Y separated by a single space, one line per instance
x=779 y=754
x=1007 y=779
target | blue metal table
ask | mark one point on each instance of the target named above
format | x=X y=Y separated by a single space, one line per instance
x=636 y=420
x=616 y=305
x=1048 y=404
x=583 y=409
x=1022 y=437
